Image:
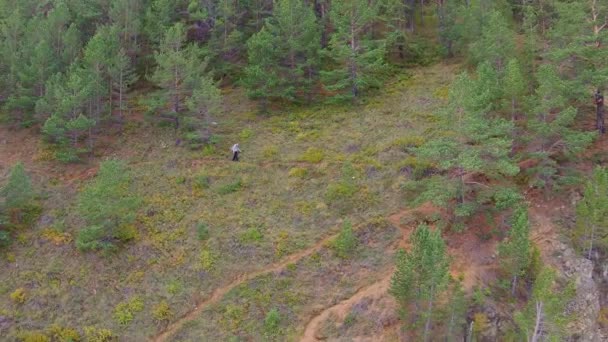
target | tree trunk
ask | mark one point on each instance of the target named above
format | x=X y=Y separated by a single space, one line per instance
x=427 y=325
x=538 y=323
x=353 y=61
x=591 y=241
x=513 y=284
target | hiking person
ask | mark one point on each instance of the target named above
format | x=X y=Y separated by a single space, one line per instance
x=235 y=152
x=599 y=102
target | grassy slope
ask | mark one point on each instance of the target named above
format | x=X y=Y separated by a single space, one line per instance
x=281 y=207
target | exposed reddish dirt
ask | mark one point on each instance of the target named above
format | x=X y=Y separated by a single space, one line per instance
x=375 y=290
x=472 y=259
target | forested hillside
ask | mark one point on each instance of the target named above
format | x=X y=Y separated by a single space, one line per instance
x=406 y=170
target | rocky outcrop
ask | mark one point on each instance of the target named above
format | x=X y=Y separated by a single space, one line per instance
x=585 y=306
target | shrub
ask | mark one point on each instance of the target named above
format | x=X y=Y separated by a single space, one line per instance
x=201 y=182
x=272 y=323
x=93 y=334
x=246 y=134
x=57 y=237
x=230 y=187
x=61 y=334
x=18 y=296
x=298 y=172
x=33 y=336
x=312 y=155
x=480 y=323
x=505 y=198
x=174 y=287
x=125 y=311
x=67 y=156
x=407 y=142
x=346 y=242
x=202 y=231
x=5 y=238
x=207 y=259
x=415 y=167
x=340 y=191
x=162 y=311
x=95 y=238
x=270 y=152
x=252 y=234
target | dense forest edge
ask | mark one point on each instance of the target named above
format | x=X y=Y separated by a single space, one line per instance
x=410 y=171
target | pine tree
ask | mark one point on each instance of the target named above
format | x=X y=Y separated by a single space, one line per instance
x=108 y=206
x=577 y=42
x=203 y=104
x=457 y=312
x=127 y=15
x=346 y=242
x=262 y=79
x=67 y=99
x=592 y=213
x=359 y=59
x=551 y=124
x=514 y=86
x=179 y=68
x=475 y=141
x=515 y=252
x=18 y=192
x=96 y=61
x=496 y=44
x=294 y=27
x=421 y=275
x=123 y=76
x=544 y=317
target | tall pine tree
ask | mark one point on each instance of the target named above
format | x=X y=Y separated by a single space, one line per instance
x=421 y=275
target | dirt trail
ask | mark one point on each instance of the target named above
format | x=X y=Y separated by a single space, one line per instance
x=220 y=292
x=375 y=290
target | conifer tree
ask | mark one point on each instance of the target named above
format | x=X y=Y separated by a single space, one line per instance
x=475 y=141
x=18 y=192
x=421 y=275
x=294 y=26
x=358 y=58
x=126 y=15
x=262 y=78
x=514 y=86
x=577 y=36
x=123 y=76
x=99 y=55
x=457 y=311
x=592 y=213
x=179 y=68
x=551 y=124
x=203 y=104
x=108 y=207
x=496 y=44
x=515 y=252
x=544 y=317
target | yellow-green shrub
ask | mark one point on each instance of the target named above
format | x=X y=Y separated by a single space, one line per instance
x=93 y=334
x=312 y=155
x=125 y=311
x=33 y=336
x=61 y=334
x=18 y=296
x=298 y=172
x=162 y=311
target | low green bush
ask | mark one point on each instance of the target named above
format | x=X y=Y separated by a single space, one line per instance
x=230 y=187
